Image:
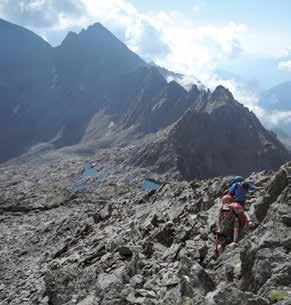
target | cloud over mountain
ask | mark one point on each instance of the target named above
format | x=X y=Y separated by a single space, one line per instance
x=40 y=13
x=285 y=65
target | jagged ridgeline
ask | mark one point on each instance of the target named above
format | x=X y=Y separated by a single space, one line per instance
x=92 y=92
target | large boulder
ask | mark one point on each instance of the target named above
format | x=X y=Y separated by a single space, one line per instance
x=229 y=295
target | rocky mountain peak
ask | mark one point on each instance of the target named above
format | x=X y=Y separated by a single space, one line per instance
x=96 y=53
x=175 y=90
x=194 y=89
x=96 y=39
x=70 y=38
x=195 y=95
x=222 y=93
x=96 y=31
x=97 y=26
x=152 y=74
x=220 y=97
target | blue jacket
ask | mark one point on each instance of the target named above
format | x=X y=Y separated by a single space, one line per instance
x=239 y=193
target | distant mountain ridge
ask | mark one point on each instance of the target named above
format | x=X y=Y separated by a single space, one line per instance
x=205 y=142
x=278 y=101
x=93 y=91
x=278 y=97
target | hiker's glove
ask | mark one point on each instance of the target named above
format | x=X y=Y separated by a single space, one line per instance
x=251 y=224
x=233 y=245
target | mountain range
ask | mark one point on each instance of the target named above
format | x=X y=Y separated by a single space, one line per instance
x=278 y=98
x=93 y=92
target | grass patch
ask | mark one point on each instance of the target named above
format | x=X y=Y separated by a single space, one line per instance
x=277 y=296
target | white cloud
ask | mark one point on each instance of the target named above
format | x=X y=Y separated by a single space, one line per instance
x=197 y=50
x=196 y=9
x=283 y=53
x=39 y=13
x=277 y=117
x=285 y=66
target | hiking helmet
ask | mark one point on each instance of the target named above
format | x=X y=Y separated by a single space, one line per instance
x=236 y=179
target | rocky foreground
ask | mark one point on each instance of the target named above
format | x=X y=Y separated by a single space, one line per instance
x=118 y=244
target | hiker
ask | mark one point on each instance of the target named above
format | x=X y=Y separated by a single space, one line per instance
x=239 y=191
x=232 y=182
x=230 y=223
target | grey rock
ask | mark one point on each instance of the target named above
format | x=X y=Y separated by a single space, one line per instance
x=166 y=234
x=147 y=293
x=232 y=296
x=125 y=251
x=137 y=281
x=263 y=272
x=193 y=276
x=274 y=189
x=247 y=257
x=132 y=299
x=229 y=273
x=106 y=281
x=287 y=220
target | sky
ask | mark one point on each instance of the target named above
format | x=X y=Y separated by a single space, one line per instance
x=242 y=44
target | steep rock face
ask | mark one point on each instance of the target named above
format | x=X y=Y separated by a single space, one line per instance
x=228 y=137
x=87 y=67
x=25 y=75
x=95 y=54
x=50 y=94
x=218 y=136
x=168 y=107
x=90 y=63
x=124 y=115
x=134 y=95
x=162 y=109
